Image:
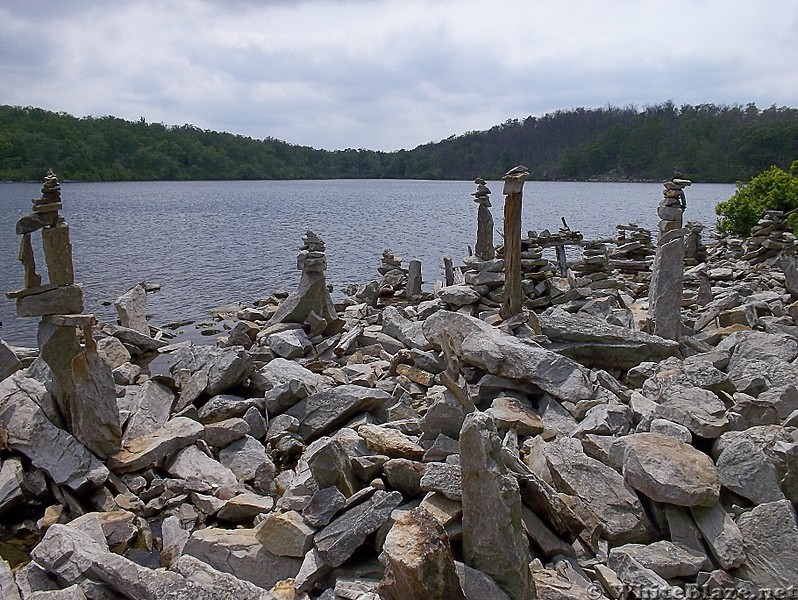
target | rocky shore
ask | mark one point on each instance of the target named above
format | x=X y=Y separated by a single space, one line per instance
x=404 y=444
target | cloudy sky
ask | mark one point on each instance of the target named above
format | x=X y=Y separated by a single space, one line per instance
x=389 y=74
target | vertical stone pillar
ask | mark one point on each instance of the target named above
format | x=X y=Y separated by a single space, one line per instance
x=667 y=280
x=58 y=254
x=513 y=190
x=484 y=248
x=448 y=270
x=413 y=289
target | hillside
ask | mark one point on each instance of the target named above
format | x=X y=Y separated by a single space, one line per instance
x=706 y=142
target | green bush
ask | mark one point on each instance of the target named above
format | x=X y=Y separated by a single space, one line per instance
x=773 y=189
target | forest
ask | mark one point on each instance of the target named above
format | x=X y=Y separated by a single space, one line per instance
x=706 y=142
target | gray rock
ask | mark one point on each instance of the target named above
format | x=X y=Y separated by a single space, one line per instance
x=443 y=478
x=665 y=295
x=153 y=408
x=330 y=466
x=665 y=558
x=12 y=477
x=701 y=411
x=605 y=419
x=220 y=585
x=604 y=491
x=668 y=470
x=339 y=540
x=510 y=413
x=292 y=343
x=493 y=537
x=404 y=475
x=323 y=506
x=193 y=463
x=226 y=406
x=496 y=352
x=245 y=507
x=280 y=371
x=131 y=307
x=226 y=367
x=246 y=457
x=746 y=470
x=390 y=442
x=418 y=560
x=223 y=433
x=286 y=534
x=239 y=553
x=320 y=413
x=8 y=589
x=113 y=351
x=770 y=535
x=73 y=592
x=669 y=428
x=257 y=424
x=149 y=450
x=65 y=460
x=410 y=333
x=458 y=295
x=594 y=342
x=9 y=363
x=476 y=585
x=173 y=540
x=444 y=416
x=637 y=577
x=136 y=339
x=721 y=534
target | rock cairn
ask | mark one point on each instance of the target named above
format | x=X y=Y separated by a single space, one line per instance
x=431 y=450
x=634 y=250
x=311 y=304
x=769 y=237
x=394 y=276
x=484 y=248
x=695 y=252
x=673 y=203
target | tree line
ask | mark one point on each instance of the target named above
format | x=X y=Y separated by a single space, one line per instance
x=707 y=142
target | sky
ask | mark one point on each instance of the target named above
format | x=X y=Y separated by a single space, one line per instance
x=389 y=74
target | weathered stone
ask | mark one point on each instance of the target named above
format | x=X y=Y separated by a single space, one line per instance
x=458 y=295
x=418 y=560
x=27 y=430
x=596 y=343
x=58 y=346
x=149 y=450
x=476 y=585
x=493 y=537
x=746 y=470
x=113 y=351
x=443 y=478
x=390 y=442
x=323 y=506
x=637 y=577
x=239 y=553
x=701 y=411
x=153 y=407
x=404 y=475
x=246 y=457
x=488 y=348
x=226 y=406
x=330 y=465
x=173 y=540
x=721 y=534
x=320 y=413
x=286 y=534
x=550 y=584
x=9 y=363
x=338 y=540
x=604 y=491
x=770 y=538
x=12 y=477
x=665 y=295
x=408 y=332
x=220 y=585
x=222 y=433
x=292 y=378
x=136 y=339
x=667 y=470
x=131 y=307
x=413 y=279
x=605 y=419
x=293 y=343
x=510 y=413
x=193 y=463
x=226 y=367
x=665 y=558
x=61 y=300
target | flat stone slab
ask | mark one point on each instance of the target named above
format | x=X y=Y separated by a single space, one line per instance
x=147 y=450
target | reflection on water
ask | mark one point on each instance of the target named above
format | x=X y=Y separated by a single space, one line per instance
x=210 y=243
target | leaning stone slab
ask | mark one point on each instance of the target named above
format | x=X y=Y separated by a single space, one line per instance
x=408 y=332
x=239 y=553
x=498 y=353
x=418 y=560
x=9 y=363
x=193 y=463
x=668 y=470
x=29 y=432
x=152 y=449
x=612 y=501
x=594 y=342
x=131 y=307
x=320 y=413
x=770 y=535
x=493 y=536
x=339 y=540
x=8 y=589
x=665 y=558
x=746 y=470
x=134 y=338
x=223 y=586
x=153 y=408
x=721 y=534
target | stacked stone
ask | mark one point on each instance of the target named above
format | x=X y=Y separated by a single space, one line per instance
x=634 y=249
x=695 y=252
x=673 y=204
x=82 y=383
x=311 y=304
x=394 y=276
x=595 y=262
x=770 y=236
x=484 y=248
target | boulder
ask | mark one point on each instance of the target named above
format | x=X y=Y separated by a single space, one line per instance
x=770 y=539
x=721 y=534
x=131 y=307
x=665 y=558
x=745 y=469
x=418 y=560
x=668 y=470
x=226 y=367
x=9 y=363
x=193 y=463
x=410 y=333
x=292 y=343
x=148 y=450
x=496 y=352
x=152 y=410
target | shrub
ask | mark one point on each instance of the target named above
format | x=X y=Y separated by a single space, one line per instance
x=773 y=189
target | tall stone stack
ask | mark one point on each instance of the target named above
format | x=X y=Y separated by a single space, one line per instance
x=311 y=303
x=769 y=237
x=695 y=252
x=394 y=276
x=667 y=281
x=633 y=249
x=595 y=262
x=484 y=248
x=81 y=382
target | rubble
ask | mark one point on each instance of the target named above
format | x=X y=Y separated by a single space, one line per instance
x=410 y=445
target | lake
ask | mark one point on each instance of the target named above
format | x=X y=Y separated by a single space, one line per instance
x=208 y=243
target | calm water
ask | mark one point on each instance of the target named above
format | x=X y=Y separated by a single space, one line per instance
x=209 y=243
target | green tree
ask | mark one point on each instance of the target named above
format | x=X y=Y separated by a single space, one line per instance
x=773 y=189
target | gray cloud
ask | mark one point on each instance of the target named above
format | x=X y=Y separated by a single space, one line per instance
x=388 y=74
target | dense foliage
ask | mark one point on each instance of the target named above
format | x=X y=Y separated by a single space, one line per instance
x=770 y=190
x=706 y=142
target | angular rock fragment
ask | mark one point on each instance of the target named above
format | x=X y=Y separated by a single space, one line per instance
x=131 y=307
x=148 y=450
x=770 y=535
x=721 y=534
x=286 y=534
x=226 y=367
